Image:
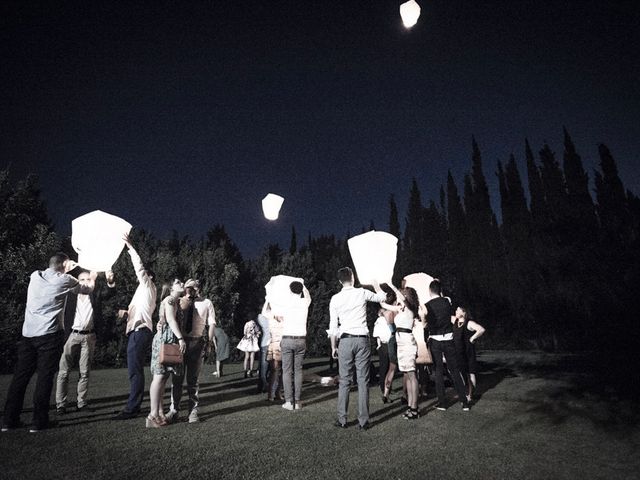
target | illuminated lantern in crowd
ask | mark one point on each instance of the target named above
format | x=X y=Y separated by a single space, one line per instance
x=97 y=237
x=374 y=256
x=278 y=292
x=420 y=283
x=410 y=12
x=271 y=205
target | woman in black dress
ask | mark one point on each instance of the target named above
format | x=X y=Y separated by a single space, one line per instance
x=465 y=333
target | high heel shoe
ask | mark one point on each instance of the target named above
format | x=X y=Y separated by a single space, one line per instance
x=385 y=399
x=153 y=422
x=411 y=414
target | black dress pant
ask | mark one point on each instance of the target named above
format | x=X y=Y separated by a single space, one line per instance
x=448 y=348
x=41 y=354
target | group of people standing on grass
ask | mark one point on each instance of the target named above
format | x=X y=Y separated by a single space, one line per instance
x=187 y=321
x=449 y=338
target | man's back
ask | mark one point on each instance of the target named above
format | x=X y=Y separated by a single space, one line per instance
x=439 y=316
x=46 y=298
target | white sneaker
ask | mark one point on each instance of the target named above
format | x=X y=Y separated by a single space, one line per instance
x=298 y=406
x=193 y=417
x=172 y=416
x=287 y=406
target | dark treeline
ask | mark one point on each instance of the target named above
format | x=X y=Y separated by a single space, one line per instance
x=561 y=272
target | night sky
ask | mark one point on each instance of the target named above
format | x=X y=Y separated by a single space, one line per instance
x=181 y=115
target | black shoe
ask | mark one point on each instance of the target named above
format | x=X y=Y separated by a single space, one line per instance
x=85 y=408
x=385 y=399
x=339 y=424
x=14 y=426
x=61 y=410
x=466 y=407
x=441 y=406
x=366 y=426
x=125 y=415
x=411 y=414
x=246 y=373
x=39 y=428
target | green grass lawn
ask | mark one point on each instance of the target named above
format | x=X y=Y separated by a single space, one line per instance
x=539 y=416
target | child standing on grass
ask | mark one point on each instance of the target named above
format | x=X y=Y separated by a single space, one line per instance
x=249 y=345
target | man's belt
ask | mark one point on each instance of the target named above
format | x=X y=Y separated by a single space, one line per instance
x=348 y=335
x=82 y=332
x=294 y=337
x=403 y=330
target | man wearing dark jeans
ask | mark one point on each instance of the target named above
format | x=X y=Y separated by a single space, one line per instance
x=139 y=332
x=42 y=340
x=441 y=341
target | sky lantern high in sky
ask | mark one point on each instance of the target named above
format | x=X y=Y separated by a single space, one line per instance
x=410 y=12
x=97 y=237
x=271 y=205
x=374 y=256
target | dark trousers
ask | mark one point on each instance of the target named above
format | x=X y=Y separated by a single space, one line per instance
x=137 y=347
x=193 y=360
x=383 y=367
x=448 y=348
x=40 y=354
x=263 y=381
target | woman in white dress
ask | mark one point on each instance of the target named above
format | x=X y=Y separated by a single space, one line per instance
x=249 y=345
x=408 y=311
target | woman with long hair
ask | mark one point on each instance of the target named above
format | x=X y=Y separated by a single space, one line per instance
x=249 y=345
x=465 y=333
x=392 y=347
x=407 y=312
x=167 y=331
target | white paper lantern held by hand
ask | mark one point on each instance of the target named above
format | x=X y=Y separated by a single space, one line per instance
x=374 y=256
x=420 y=283
x=279 y=293
x=410 y=12
x=271 y=205
x=97 y=237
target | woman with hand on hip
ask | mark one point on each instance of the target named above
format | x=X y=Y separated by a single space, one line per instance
x=465 y=333
x=167 y=331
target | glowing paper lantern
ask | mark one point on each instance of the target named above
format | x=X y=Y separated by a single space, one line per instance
x=271 y=205
x=374 y=256
x=279 y=294
x=410 y=12
x=97 y=237
x=420 y=283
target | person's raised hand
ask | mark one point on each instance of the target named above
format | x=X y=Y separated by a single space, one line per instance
x=69 y=265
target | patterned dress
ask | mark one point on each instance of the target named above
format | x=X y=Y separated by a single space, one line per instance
x=249 y=342
x=164 y=334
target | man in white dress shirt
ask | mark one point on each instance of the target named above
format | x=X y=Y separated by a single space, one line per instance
x=348 y=319
x=199 y=337
x=294 y=344
x=139 y=331
x=81 y=314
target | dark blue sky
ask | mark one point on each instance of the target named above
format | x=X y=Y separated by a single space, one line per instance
x=180 y=115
